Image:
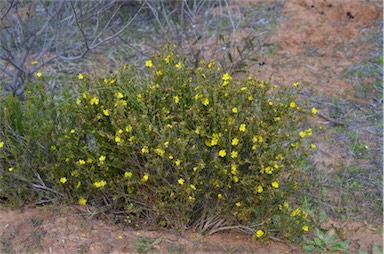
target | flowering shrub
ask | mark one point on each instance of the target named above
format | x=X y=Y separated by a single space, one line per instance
x=188 y=144
x=186 y=147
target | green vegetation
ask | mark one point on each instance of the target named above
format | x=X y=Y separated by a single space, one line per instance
x=326 y=242
x=145 y=245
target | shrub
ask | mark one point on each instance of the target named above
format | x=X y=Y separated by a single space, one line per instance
x=187 y=147
x=183 y=146
x=27 y=131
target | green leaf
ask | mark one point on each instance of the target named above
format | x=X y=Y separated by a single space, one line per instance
x=230 y=57
x=157 y=241
x=309 y=248
x=322 y=216
x=319 y=242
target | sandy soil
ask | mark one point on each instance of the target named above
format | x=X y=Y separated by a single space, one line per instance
x=316 y=41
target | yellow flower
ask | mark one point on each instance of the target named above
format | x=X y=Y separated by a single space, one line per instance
x=226 y=77
x=94 y=100
x=233 y=169
x=270 y=103
x=81 y=162
x=250 y=98
x=313 y=146
x=167 y=59
x=275 y=185
x=117 y=139
x=260 y=189
x=181 y=181
x=145 y=149
x=63 y=180
x=243 y=88
x=191 y=198
x=259 y=233
x=176 y=99
x=159 y=73
x=145 y=177
x=238 y=204
x=305 y=228
x=128 y=174
x=78 y=101
x=179 y=65
x=292 y=104
x=128 y=128
x=234 y=110
x=309 y=132
x=82 y=201
x=10 y=169
x=1 y=144
x=193 y=187
x=222 y=153
x=120 y=95
x=39 y=74
x=235 y=141
x=286 y=205
x=295 y=212
x=205 y=102
x=106 y=112
x=102 y=158
x=219 y=195
x=268 y=170
x=314 y=111
x=89 y=160
x=242 y=127
x=234 y=154
x=302 y=134
x=235 y=179
x=178 y=162
x=197 y=131
x=296 y=84
x=139 y=98
x=160 y=152
x=211 y=63
x=80 y=76
x=100 y=184
x=149 y=63
x=34 y=63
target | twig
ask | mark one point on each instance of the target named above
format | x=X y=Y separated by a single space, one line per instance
x=331 y=120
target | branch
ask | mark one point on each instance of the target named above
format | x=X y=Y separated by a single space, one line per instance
x=93 y=46
x=331 y=120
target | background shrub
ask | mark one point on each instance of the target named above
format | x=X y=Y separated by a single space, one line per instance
x=27 y=134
